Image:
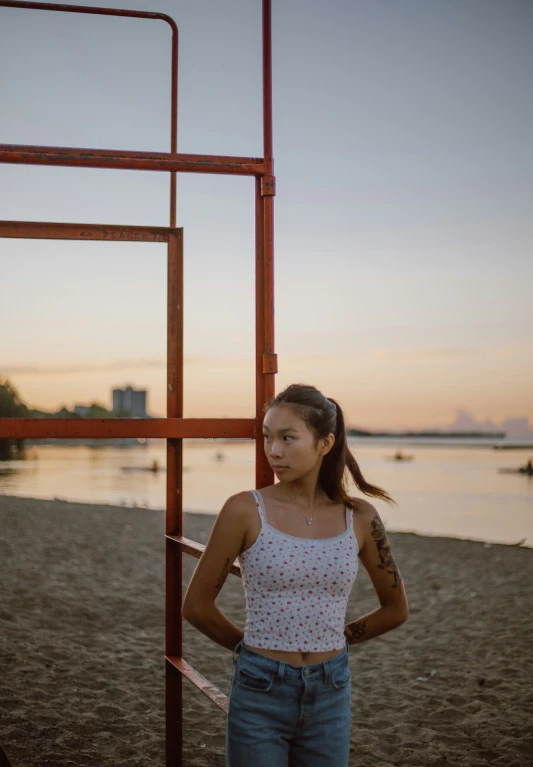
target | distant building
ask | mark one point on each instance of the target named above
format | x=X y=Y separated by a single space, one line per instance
x=129 y=400
x=81 y=410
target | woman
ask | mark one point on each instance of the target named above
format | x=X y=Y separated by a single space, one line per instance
x=298 y=542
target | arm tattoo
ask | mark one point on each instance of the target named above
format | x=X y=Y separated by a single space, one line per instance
x=387 y=562
x=354 y=632
x=223 y=575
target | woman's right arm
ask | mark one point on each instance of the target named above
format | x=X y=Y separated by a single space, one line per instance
x=224 y=545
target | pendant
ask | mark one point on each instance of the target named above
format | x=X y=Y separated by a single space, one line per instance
x=309 y=520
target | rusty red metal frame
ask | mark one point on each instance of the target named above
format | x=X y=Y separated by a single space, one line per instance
x=174 y=428
x=4 y=761
x=104 y=158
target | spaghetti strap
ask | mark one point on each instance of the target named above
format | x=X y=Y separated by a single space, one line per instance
x=349 y=518
x=260 y=505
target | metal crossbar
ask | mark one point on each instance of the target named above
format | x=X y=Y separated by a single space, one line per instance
x=174 y=428
x=4 y=761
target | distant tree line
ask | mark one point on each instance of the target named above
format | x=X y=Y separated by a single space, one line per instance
x=11 y=406
x=438 y=434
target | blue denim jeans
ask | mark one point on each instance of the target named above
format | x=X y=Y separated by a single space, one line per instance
x=281 y=715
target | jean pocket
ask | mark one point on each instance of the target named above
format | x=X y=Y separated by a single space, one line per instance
x=254 y=678
x=340 y=677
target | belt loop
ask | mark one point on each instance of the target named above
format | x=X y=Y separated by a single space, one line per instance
x=281 y=671
x=239 y=644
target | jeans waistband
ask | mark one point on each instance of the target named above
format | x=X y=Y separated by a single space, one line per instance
x=286 y=669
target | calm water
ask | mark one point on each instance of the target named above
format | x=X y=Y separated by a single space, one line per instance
x=445 y=490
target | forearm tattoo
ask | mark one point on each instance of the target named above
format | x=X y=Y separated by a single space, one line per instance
x=384 y=551
x=223 y=575
x=355 y=632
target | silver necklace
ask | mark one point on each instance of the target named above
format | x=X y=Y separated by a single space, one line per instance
x=307 y=519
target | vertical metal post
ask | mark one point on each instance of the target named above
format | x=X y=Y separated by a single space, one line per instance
x=174 y=123
x=267 y=82
x=263 y=472
x=264 y=221
x=268 y=192
x=174 y=513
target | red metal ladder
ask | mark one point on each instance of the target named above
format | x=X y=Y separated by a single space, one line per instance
x=174 y=428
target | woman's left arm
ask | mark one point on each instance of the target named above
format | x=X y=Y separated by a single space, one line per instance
x=376 y=556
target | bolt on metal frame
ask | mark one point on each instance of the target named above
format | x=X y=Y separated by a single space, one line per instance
x=174 y=428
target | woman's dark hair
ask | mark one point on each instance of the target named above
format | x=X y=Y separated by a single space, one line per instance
x=324 y=416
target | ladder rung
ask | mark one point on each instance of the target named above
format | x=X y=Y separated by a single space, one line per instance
x=4 y=761
x=203 y=684
x=197 y=549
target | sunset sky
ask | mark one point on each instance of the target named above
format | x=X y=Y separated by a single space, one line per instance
x=403 y=217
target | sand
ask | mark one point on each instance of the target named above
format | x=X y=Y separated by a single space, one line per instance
x=81 y=648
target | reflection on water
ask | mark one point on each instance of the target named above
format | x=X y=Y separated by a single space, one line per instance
x=443 y=490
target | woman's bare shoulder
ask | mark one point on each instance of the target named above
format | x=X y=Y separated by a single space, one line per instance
x=363 y=508
x=267 y=490
x=240 y=499
x=238 y=505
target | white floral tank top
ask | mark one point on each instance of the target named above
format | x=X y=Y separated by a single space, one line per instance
x=296 y=589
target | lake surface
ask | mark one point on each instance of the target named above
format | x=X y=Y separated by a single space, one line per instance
x=446 y=490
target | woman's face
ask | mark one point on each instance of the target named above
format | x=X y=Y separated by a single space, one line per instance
x=290 y=445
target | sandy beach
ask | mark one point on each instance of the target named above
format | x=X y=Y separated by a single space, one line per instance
x=82 y=644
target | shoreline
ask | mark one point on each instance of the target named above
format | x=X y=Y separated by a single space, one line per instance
x=520 y=543
x=82 y=646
